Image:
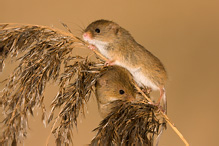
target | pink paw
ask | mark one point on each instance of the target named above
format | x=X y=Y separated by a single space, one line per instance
x=92 y=47
x=158 y=106
x=109 y=63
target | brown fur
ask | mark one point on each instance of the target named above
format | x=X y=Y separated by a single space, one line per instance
x=117 y=44
x=108 y=86
x=124 y=48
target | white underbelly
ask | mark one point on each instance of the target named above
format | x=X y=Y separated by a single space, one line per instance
x=143 y=80
x=139 y=77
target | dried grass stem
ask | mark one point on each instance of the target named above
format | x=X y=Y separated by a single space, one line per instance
x=45 y=50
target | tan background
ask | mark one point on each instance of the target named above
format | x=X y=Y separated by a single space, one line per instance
x=184 y=34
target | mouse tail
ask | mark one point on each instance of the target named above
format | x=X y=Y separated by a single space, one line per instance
x=1 y=60
x=164 y=106
x=164 y=100
x=163 y=127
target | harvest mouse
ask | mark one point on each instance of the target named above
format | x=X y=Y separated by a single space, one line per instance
x=120 y=48
x=114 y=84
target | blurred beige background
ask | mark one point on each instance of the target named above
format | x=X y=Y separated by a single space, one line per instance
x=184 y=34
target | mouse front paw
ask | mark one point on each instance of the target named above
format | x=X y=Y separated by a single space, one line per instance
x=92 y=47
x=109 y=63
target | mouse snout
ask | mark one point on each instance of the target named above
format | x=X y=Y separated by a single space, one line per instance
x=87 y=36
x=131 y=98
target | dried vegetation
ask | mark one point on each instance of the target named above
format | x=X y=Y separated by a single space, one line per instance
x=129 y=124
x=45 y=54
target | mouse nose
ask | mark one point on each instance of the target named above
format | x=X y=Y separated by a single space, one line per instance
x=131 y=98
x=86 y=36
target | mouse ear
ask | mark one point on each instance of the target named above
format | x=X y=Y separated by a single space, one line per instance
x=102 y=82
x=115 y=28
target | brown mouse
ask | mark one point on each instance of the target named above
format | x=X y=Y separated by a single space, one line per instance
x=117 y=44
x=114 y=84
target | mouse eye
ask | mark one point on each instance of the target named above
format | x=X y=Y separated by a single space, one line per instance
x=97 y=30
x=121 y=91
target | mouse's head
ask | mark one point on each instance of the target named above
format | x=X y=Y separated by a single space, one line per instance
x=101 y=31
x=115 y=84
